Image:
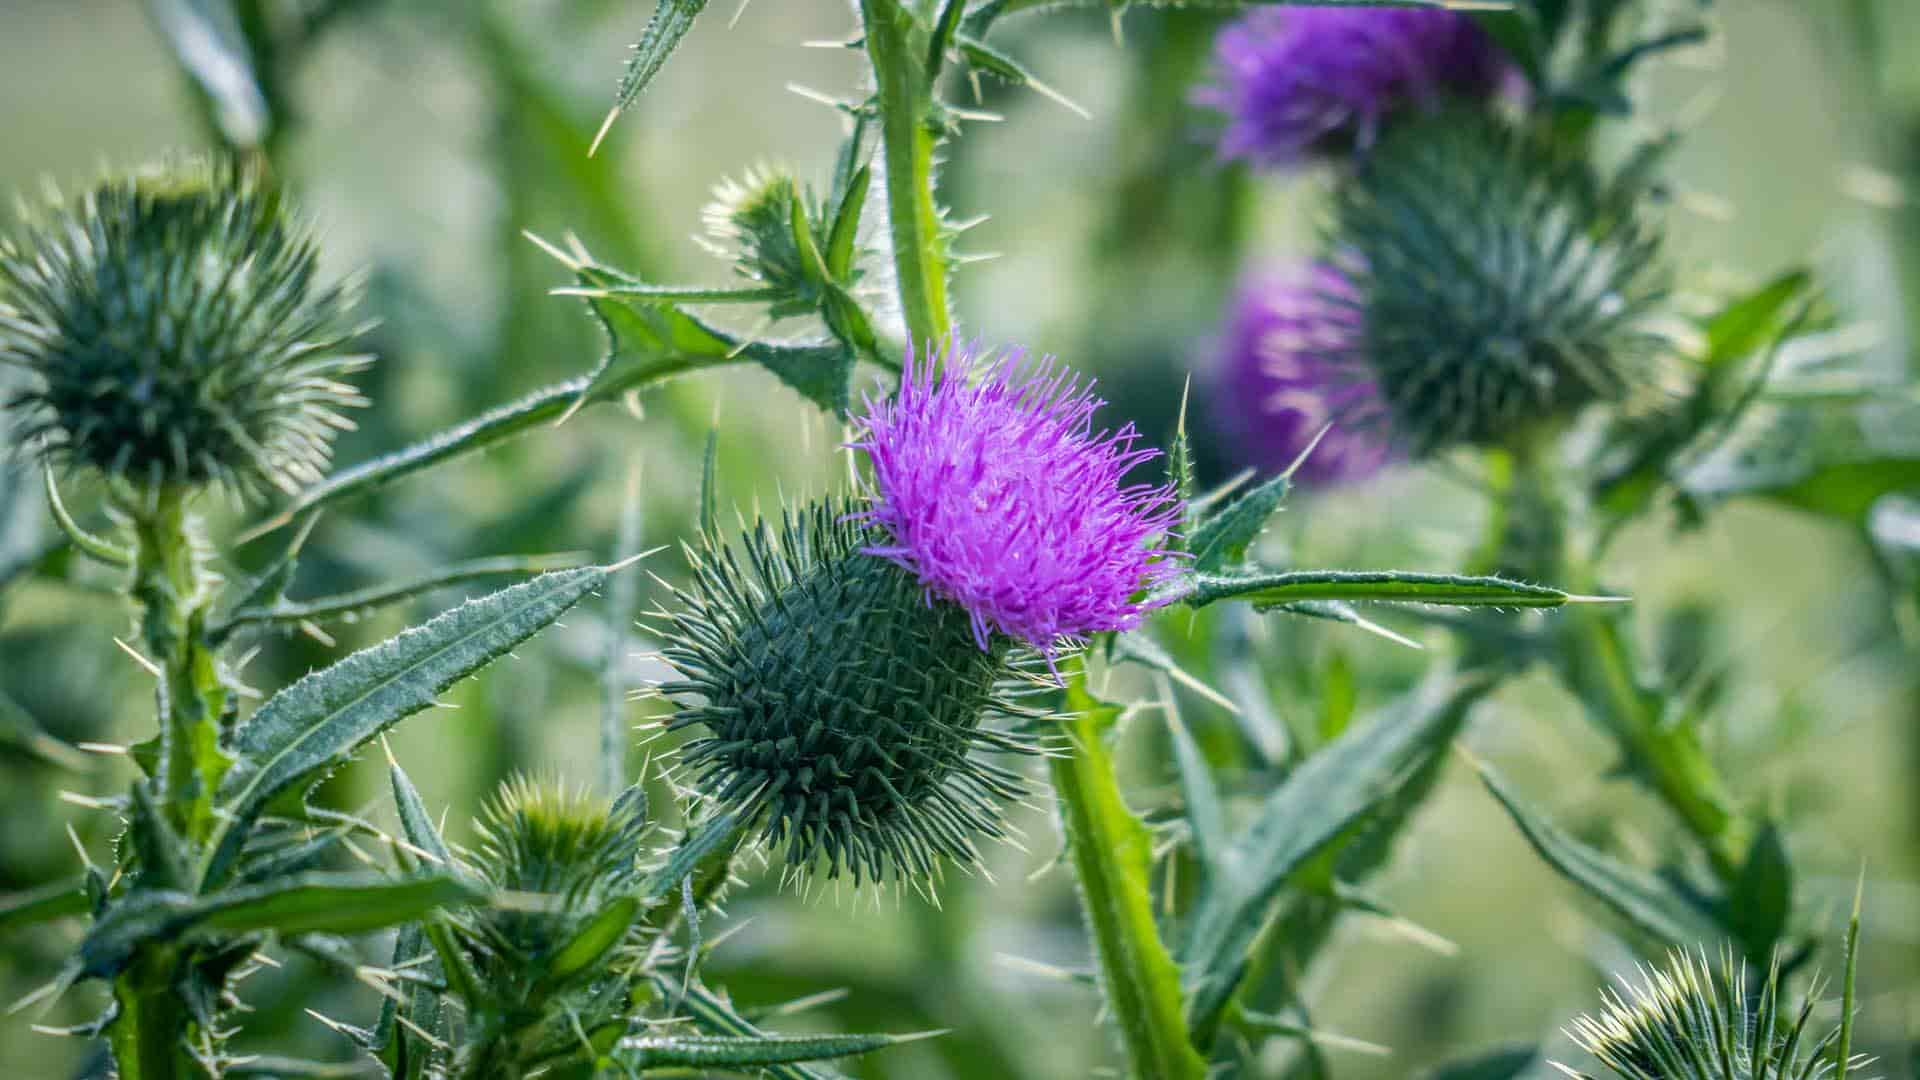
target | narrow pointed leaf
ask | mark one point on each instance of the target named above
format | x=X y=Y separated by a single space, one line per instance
x=1206 y=817
x=415 y=822
x=1500 y=1063
x=714 y=1015
x=601 y=934
x=1274 y=588
x=1332 y=791
x=742 y=1053
x=312 y=726
x=670 y=22
x=362 y=601
x=1644 y=901
x=35 y=906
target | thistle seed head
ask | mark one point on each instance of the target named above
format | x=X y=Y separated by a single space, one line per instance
x=1499 y=284
x=175 y=332
x=841 y=700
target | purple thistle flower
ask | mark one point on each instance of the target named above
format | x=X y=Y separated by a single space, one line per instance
x=1308 y=80
x=998 y=495
x=1288 y=366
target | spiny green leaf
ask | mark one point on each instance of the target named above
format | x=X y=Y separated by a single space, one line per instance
x=714 y=1014
x=1330 y=792
x=601 y=934
x=707 y=840
x=44 y=904
x=306 y=904
x=415 y=822
x=1646 y=902
x=312 y=726
x=1274 y=588
x=670 y=22
x=1112 y=860
x=741 y=1053
x=1221 y=541
x=1206 y=817
x=709 y=493
x=361 y=601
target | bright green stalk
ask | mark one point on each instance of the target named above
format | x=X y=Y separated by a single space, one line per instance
x=148 y=1037
x=1111 y=853
x=898 y=45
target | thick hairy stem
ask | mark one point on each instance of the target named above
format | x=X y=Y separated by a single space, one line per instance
x=148 y=1037
x=897 y=45
x=1110 y=851
x=171 y=586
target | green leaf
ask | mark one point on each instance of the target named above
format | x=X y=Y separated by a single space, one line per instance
x=709 y=487
x=1761 y=898
x=1274 y=588
x=745 y=1052
x=44 y=904
x=348 y=903
x=1332 y=791
x=1644 y=901
x=1751 y=322
x=361 y=601
x=1222 y=540
x=1500 y=1063
x=709 y=840
x=1206 y=817
x=1112 y=856
x=307 y=904
x=415 y=822
x=846 y=225
x=670 y=22
x=311 y=727
x=601 y=934
x=714 y=1014
x=209 y=45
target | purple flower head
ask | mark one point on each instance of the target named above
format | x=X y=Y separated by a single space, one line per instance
x=998 y=494
x=1312 y=79
x=1288 y=365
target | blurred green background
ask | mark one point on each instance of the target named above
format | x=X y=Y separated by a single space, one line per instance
x=426 y=137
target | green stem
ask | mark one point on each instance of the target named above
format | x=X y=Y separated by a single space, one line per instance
x=897 y=45
x=148 y=1037
x=173 y=591
x=1111 y=854
x=1596 y=662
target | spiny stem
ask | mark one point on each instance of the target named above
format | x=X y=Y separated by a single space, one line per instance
x=897 y=45
x=1110 y=851
x=148 y=1036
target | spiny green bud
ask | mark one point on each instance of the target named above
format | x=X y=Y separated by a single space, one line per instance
x=751 y=222
x=841 y=700
x=176 y=333
x=1499 y=283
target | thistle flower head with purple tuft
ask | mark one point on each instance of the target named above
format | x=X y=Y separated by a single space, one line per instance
x=998 y=494
x=1306 y=81
x=1286 y=368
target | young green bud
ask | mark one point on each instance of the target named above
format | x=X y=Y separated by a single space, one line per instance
x=176 y=333
x=1499 y=283
x=841 y=700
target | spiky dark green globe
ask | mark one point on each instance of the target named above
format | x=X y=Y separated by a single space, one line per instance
x=176 y=331
x=1499 y=283
x=841 y=700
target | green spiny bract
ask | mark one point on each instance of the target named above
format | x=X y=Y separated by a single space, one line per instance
x=841 y=700
x=1683 y=1023
x=1500 y=284
x=176 y=332
x=552 y=956
x=752 y=222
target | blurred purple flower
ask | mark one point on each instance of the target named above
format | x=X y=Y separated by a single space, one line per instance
x=997 y=492
x=1288 y=365
x=1314 y=79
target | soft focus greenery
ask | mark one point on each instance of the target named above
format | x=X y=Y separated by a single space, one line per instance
x=428 y=137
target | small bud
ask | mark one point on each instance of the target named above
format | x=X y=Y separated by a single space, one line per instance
x=175 y=333
x=751 y=221
x=1499 y=284
x=841 y=699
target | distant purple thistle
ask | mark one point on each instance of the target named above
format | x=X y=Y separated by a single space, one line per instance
x=1287 y=366
x=1000 y=496
x=1312 y=79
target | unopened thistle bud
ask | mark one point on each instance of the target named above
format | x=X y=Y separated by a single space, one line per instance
x=751 y=222
x=1683 y=1023
x=176 y=333
x=1283 y=372
x=1309 y=81
x=1499 y=284
x=840 y=702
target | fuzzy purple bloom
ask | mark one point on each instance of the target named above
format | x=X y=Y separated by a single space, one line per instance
x=1288 y=365
x=1309 y=80
x=999 y=495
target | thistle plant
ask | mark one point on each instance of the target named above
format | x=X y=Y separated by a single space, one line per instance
x=1014 y=587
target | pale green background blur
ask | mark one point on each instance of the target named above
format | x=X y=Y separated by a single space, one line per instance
x=418 y=162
